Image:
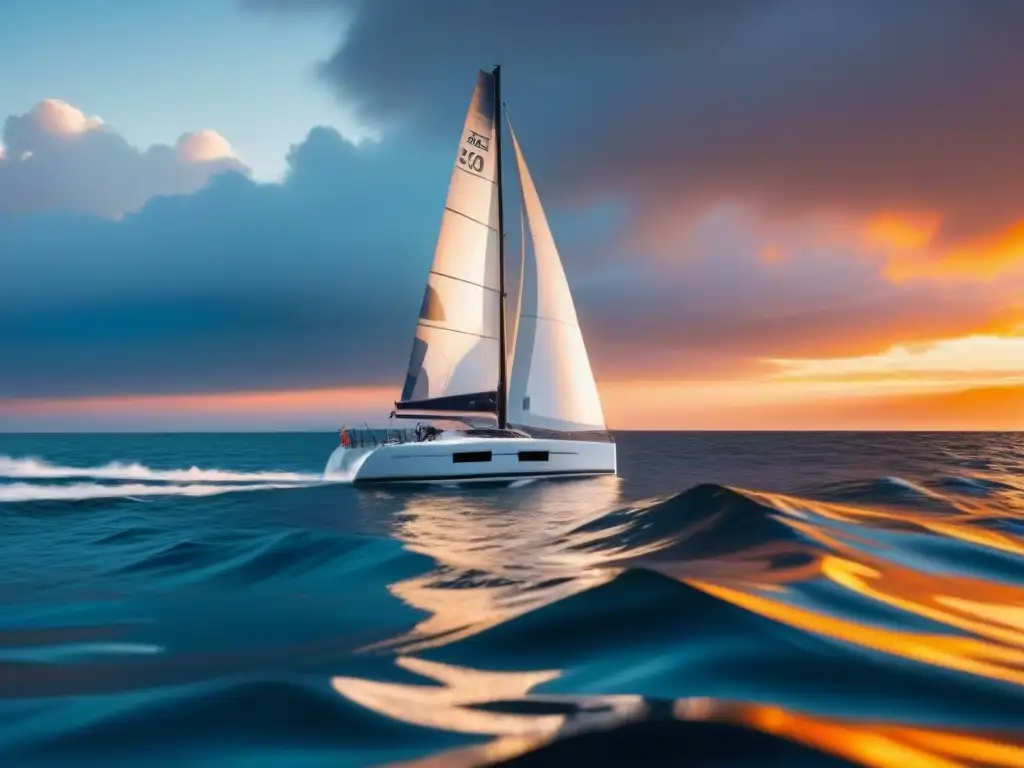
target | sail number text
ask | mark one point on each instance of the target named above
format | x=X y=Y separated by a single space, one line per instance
x=472 y=159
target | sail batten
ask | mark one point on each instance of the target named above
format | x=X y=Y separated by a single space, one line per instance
x=463 y=280
x=456 y=347
x=456 y=330
x=471 y=173
x=553 y=320
x=470 y=218
x=552 y=385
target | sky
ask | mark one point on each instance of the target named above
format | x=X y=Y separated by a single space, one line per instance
x=220 y=214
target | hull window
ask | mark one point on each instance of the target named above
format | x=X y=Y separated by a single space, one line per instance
x=533 y=455
x=471 y=456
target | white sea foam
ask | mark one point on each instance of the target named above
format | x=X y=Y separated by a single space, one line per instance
x=19 y=492
x=32 y=468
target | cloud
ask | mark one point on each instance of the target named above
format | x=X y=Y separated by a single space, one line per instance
x=241 y=285
x=987 y=357
x=717 y=308
x=56 y=158
x=55 y=117
x=741 y=192
x=790 y=108
x=315 y=282
x=203 y=147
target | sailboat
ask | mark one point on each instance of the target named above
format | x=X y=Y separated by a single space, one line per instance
x=541 y=415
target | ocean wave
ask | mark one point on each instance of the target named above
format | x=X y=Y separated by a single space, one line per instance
x=973 y=485
x=704 y=521
x=878 y=490
x=862 y=617
x=33 y=468
x=249 y=561
x=284 y=716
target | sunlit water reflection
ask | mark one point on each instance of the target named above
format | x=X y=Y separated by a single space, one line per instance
x=863 y=608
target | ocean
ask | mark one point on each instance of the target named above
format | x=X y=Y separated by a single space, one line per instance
x=732 y=599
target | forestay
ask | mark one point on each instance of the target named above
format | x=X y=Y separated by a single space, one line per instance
x=454 y=362
x=552 y=385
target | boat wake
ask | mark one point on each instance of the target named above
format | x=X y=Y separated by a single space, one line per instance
x=20 y=492
x=35 y=468
x=20 y=480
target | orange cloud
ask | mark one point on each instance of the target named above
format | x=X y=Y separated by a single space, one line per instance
x=974 y=382
x=901 y=231
x=911 y=244
x=963 y=360
x=985 y=258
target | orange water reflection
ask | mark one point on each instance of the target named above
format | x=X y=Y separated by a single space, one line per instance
x=873 y=744
x=452 y=706
x=499 y=560
x=988 y=614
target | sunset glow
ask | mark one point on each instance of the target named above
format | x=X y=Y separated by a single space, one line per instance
x=191 y=262
x=910 y=243
x=901 y=231
x=970 y=383
x=968 y=361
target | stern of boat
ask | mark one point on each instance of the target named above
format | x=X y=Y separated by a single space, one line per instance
x=345 y=461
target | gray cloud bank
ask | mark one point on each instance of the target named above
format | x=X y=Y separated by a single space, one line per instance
x=789 y=106
x=630 y=113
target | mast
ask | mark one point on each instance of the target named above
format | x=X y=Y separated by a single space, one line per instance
x=502 y=355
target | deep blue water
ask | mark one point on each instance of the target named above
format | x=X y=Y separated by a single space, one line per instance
x=730 y=600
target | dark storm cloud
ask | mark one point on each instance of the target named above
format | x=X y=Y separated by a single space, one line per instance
x=794 y=105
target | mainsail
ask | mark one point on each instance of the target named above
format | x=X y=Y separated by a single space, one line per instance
x=551 y=385
x=455 y=357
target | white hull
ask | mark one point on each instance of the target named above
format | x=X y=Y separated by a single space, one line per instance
x=460 y=459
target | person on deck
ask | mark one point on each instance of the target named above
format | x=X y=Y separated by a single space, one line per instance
x=346 y=441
